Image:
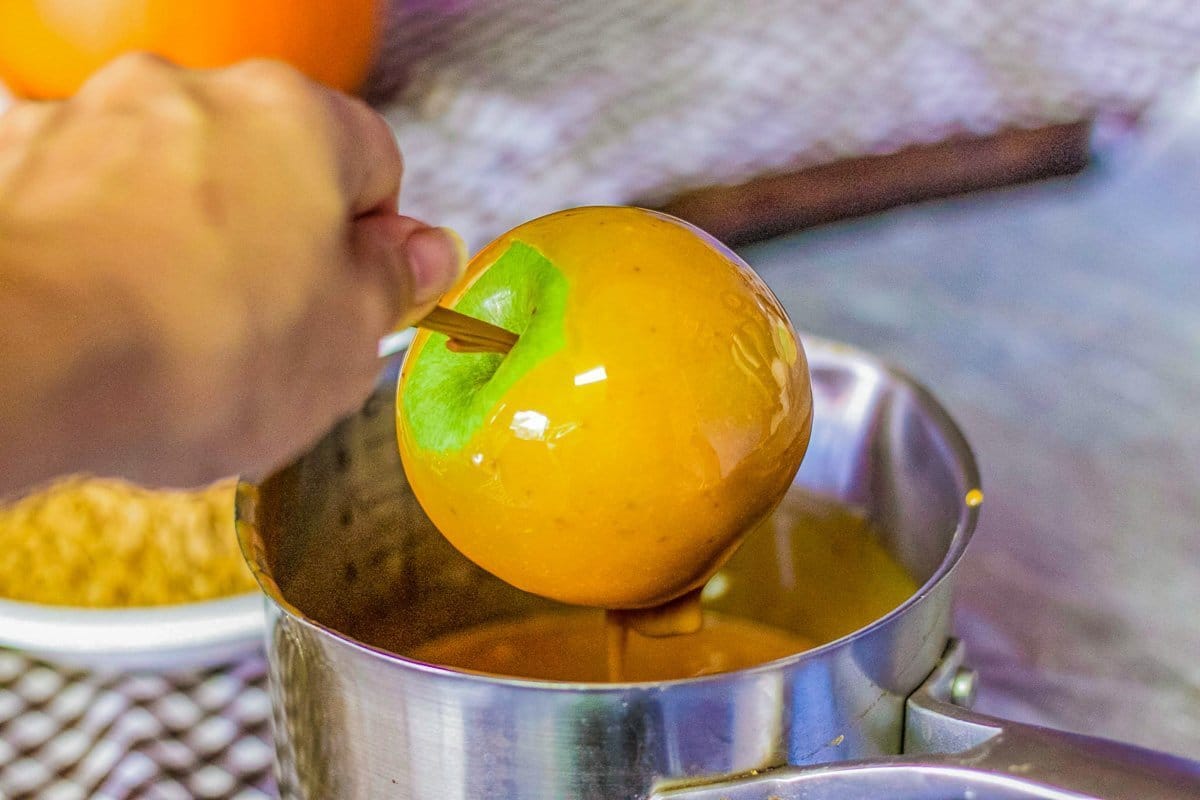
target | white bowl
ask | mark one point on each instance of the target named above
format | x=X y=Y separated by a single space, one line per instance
x=170 y=637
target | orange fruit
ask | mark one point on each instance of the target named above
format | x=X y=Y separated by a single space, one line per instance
x=49 y=47
x=655 y=408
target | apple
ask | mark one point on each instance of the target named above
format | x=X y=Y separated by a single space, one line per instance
x=655 y=408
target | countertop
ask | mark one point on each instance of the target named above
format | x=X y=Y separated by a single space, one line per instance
x=1060 y=323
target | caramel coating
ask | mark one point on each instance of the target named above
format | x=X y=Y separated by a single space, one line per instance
x=622 y=470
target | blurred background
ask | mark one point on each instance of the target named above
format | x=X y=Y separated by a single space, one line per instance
x=1002 y=199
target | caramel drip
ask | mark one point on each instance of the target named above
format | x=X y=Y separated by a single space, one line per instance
x=616 y=641
x=680 y=616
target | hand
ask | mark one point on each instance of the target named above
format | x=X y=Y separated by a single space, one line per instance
x=195 y=268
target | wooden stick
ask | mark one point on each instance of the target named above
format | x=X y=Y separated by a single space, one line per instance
x=468 y=334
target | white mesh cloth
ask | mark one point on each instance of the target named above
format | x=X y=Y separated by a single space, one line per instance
x=509 y=109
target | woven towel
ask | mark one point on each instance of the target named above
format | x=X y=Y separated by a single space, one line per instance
x=509 y=109
x=68 y=734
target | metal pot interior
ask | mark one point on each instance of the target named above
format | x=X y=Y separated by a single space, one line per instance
x=337 y=537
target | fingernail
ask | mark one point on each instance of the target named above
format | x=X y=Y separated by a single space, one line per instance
x=437 y=258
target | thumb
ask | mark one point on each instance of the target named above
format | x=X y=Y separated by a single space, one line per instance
x=414 y=263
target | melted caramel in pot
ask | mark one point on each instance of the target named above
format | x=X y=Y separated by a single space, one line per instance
x=573 y=646
x=815 y=571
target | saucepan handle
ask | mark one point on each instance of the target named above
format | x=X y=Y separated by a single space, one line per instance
x=953 y=752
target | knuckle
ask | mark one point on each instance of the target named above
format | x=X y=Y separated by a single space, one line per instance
x=271 y=82
x=390 y=154
x=140 y=60
x=27 y=114
x=134 y=69
x=132 y=78
x=25 y=121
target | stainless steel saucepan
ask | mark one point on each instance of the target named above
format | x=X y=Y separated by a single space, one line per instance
x=352 y=569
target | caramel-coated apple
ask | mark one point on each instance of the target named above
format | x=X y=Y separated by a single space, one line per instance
x=655 y=408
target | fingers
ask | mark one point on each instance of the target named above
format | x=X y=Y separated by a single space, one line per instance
x=366 y=154
x=369 y=157
x=437 y=258
x=365 y=150
x=405 y=264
